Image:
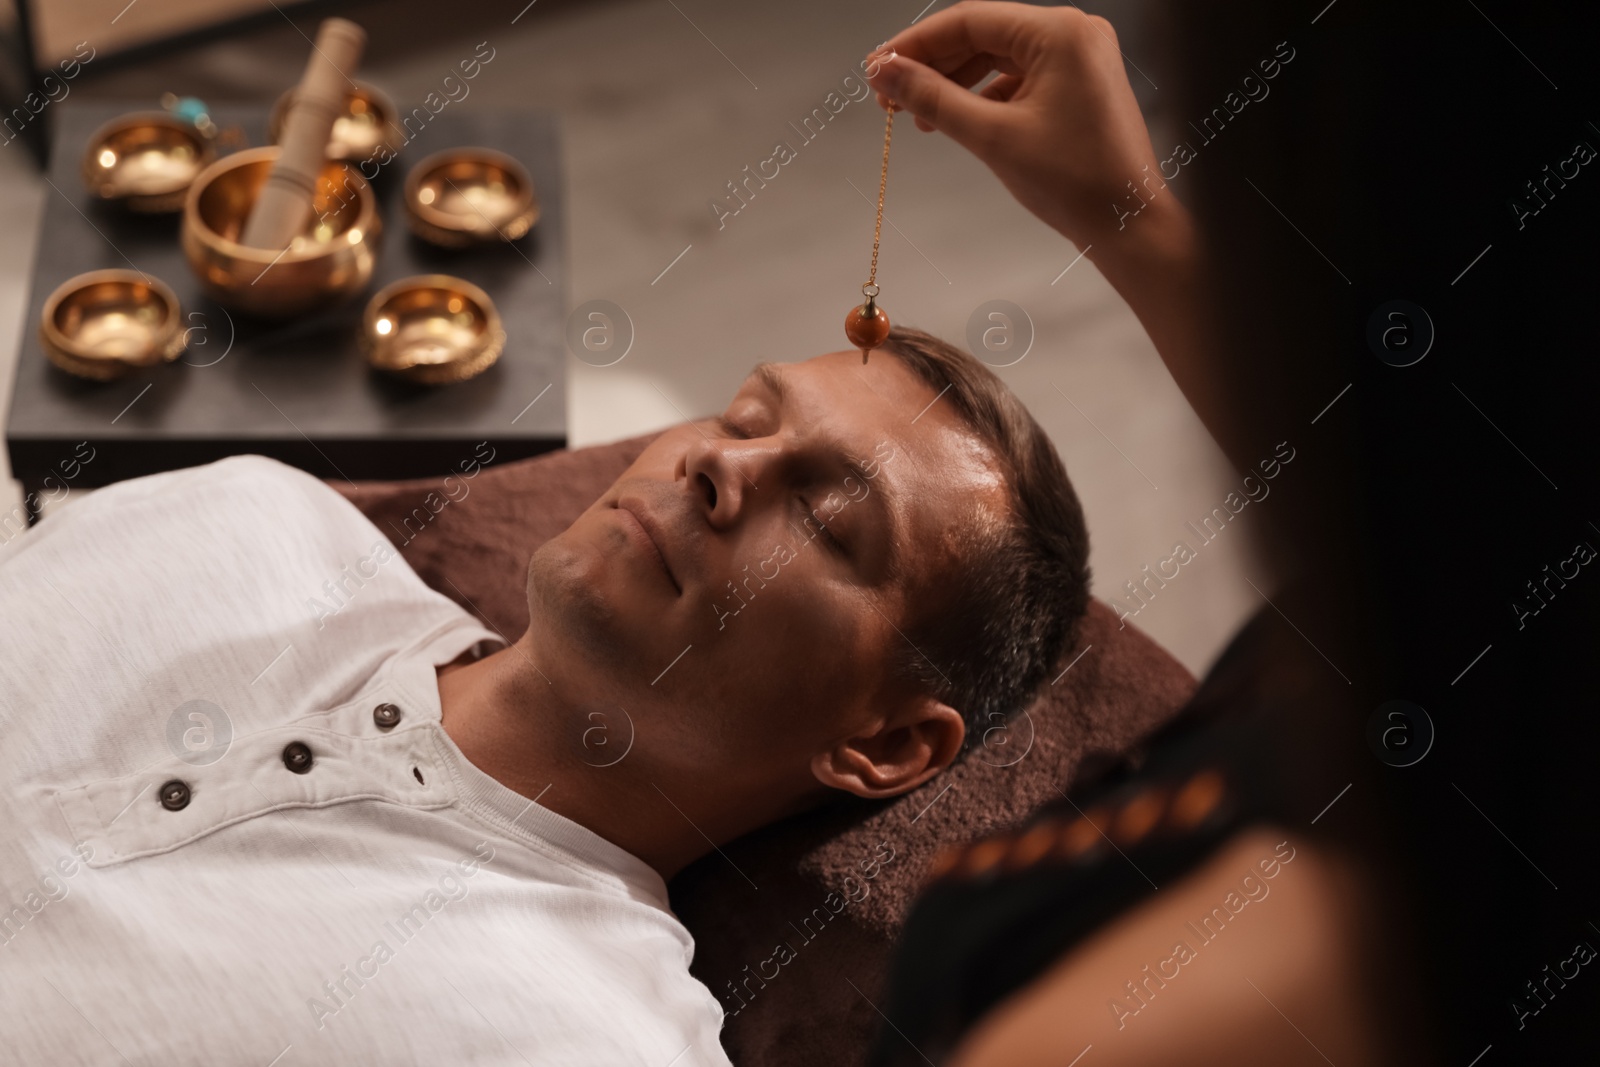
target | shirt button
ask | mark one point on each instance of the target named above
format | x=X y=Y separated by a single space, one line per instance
x=297 y=756
x=386 y=716
x=175 y=795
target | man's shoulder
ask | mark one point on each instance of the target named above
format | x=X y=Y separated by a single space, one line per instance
x=259 y=526
x=250 y=473
x=245 y=494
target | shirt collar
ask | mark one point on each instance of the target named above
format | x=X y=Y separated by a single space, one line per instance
x=522 y=818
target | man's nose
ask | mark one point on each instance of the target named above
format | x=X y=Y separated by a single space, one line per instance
x=725 y=475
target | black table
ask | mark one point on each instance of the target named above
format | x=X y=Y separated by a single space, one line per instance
x=297 y=390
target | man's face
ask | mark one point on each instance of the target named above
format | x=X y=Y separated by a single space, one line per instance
x=731 y=602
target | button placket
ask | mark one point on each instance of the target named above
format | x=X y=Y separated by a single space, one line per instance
x=363 y=761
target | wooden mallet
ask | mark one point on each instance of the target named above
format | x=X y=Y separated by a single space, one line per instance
x=284 y=205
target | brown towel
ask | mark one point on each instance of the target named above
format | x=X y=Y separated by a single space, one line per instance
x=793 y=924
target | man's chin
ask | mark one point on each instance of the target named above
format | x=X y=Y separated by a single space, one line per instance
x=577 y=605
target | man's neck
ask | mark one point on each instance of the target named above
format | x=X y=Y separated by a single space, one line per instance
x=513 y=724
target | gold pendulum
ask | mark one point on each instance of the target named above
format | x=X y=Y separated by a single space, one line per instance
x=867 y=326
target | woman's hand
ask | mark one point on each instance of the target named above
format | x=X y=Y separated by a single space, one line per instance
x=1062 y=131
x=1059 y=126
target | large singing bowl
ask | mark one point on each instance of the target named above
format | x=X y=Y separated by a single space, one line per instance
x=330 y=261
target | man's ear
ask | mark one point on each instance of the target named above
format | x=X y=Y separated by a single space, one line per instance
x=896 y=754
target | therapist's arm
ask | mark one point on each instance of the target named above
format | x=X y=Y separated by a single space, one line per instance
x=1061 y=130
x=1286 y=982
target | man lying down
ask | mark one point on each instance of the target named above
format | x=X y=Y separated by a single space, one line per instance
x=406 y=852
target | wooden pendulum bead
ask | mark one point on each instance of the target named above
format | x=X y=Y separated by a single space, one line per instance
x=867 y=326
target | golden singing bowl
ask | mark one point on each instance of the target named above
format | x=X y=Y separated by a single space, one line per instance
x=145 y=160
x=466 y=196
x=105 y=323
x=432 y=328
x=331 y=260
x=366 y=125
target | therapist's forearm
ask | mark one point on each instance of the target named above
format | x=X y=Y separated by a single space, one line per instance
x=1157 y=265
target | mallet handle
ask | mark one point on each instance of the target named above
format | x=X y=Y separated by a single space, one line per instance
x=285 y=204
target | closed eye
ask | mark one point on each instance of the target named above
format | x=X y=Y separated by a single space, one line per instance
x=731 y=430
x=834 y=544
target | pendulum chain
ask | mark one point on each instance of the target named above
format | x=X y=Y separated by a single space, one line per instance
x=867 y=326
x=883 y=184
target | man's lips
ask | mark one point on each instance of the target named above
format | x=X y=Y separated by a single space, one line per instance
x=648 y=533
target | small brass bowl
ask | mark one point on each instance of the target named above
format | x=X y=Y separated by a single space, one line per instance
x=105 y=323
x=466 y=196
x=366 y=125
x=332 y=260
x=145 y=160
x=432 y=328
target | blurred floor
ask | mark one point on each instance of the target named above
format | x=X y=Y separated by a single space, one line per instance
x=665 y=101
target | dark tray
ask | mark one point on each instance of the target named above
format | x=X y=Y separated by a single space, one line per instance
x=296 y=390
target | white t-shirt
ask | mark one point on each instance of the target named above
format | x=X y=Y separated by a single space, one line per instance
x=172 y=890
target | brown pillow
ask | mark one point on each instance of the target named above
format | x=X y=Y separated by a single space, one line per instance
x=793 y=924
